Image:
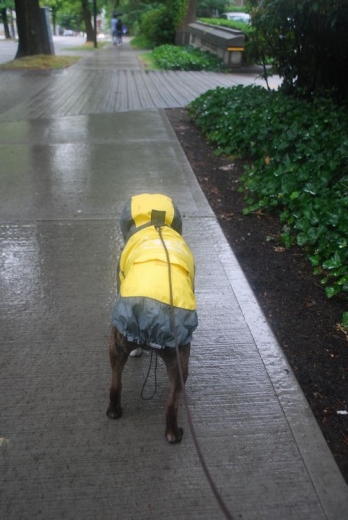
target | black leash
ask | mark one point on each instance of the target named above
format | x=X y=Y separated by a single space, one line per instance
x=207 y=473
x=147 y=377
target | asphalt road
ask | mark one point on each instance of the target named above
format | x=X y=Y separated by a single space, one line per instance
x=63 y=45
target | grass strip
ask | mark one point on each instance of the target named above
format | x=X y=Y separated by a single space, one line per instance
x=40 y=62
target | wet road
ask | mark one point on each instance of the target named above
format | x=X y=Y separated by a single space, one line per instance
x=74 y=146
x=63 y=45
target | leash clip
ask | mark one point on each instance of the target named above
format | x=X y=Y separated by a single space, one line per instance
x=158 y=218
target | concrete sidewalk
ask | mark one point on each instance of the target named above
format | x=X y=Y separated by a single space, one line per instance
x=66 y=170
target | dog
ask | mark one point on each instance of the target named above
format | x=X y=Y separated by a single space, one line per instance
x=153 y=298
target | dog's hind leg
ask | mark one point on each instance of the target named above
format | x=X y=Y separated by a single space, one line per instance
x=173 y=432
x=118 y=358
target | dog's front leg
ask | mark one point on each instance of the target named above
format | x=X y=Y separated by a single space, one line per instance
x=173 y=433
x=118 y=359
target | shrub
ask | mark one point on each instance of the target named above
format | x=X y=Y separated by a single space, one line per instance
x=170 y=57
x=157 y=26
x=299 y=169
x=139 y=42
x=307 y=42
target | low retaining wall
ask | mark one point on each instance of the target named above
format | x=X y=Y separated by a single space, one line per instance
x=227 y=44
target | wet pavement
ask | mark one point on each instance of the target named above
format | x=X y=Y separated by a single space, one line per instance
x=74 y=146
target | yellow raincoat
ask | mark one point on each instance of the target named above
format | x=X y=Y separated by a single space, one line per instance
x=142 y=308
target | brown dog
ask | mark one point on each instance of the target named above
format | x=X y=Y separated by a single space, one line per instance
x=119 y=351
x=152 y=295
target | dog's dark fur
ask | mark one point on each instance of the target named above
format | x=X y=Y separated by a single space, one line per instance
x=119 y=351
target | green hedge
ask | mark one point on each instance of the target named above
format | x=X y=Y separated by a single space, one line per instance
x=157 y=26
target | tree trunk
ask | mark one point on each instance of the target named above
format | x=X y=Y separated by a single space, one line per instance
x=31 y=33
x=54 y=20
x=86 y=13
x=5 y=22
x=12 y=25
x=182 y=36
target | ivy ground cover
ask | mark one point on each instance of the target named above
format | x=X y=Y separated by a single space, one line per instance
x=299 y=167
x=171 y=57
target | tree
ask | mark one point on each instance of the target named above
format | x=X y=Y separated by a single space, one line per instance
x=55 y=6
x=4 y=5
x=79 y=10
x=188 y=16
x=307 y=43
x=87 y=17
x=5 y=22
x=31 y=33
x=73 y=14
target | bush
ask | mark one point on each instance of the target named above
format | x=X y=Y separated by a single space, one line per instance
x=157 y=26
x=170 y=57
x=307 y=43
x=299 y=169
x=139 y=42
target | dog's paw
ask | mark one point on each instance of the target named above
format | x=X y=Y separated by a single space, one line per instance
x=175 y=438
x=137 y=352
x=114 y=414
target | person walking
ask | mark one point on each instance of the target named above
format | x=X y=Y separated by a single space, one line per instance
x=114 y=29
x=119 y=31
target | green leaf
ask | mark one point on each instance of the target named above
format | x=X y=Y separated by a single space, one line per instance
x=287 y=239
x=345 y=320
x=302 y=239
x=314 y=260
x=332 y=291
x=334 y=262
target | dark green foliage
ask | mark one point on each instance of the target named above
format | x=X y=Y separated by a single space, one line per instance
x=208 y=7
x=157 y=26
x=139 y=42
x=307 y=42
x=170 y=57
x=299 y=153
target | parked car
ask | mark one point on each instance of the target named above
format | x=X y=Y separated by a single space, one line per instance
x=238 y=17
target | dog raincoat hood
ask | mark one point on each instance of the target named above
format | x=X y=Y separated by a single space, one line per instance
x=142 y=308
